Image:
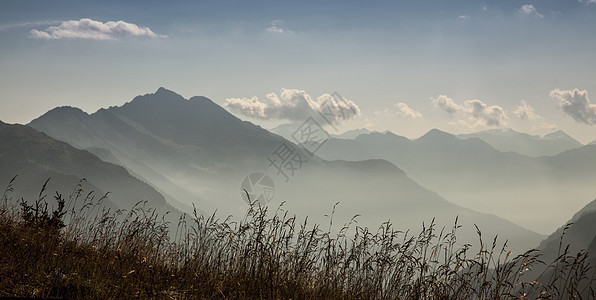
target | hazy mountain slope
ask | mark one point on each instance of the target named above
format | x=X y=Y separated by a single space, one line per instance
x=574 y=164
x=377 y=188
x=543 y=191
x=205 y=152
x=191 y=140
x=150 y=176
x=34 y=157
x=525 y=144
x=287 y=130
x=104 y=154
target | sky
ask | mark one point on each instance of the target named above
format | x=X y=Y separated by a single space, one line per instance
x=404 y=66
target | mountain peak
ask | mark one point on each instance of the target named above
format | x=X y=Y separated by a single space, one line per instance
x=62 y=112
x=163 y=91
x=157 y=99
x=161 y=95
x=559 y=134
x=434 y=134
x=166 y=94
x=68 y=109
x=562 y=136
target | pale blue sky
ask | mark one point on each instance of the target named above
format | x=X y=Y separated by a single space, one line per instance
x=377 y=55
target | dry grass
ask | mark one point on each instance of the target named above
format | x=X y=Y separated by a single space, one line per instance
x=91 y=252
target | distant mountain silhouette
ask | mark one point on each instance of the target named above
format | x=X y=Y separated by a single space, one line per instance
x=471 y=173
x=196 y=152
x=286 y=130
x=34 y=157
x=351 y=134
x=525 y=144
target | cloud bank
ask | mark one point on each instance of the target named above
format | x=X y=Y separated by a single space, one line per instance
x=525 y=112
x=472 y=113
x=576 y=104
x=93 y=30
x=294 y=105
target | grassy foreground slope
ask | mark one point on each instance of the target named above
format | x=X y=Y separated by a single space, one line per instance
x=63 y=252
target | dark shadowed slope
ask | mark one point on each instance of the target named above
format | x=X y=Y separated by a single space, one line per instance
x=34 y=157
x=580 y=234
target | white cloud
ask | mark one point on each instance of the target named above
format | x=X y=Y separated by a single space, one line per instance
x=447 y=104
x=525 y=112
x=277 y=27
x=576 y=104
x=404 y=110
x=529 y=10
x=294 y=105
x=94 y=30
x=588 y=1
x=463 y=17
x=401 y=109
x=472 y=113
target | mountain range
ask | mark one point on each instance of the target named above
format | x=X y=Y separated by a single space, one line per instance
x=194 y=151
x=522 y=143
x=286 y=130
x=538 y=193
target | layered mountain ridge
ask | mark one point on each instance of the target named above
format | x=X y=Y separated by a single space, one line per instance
x=472 y=173
x=196 y=152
